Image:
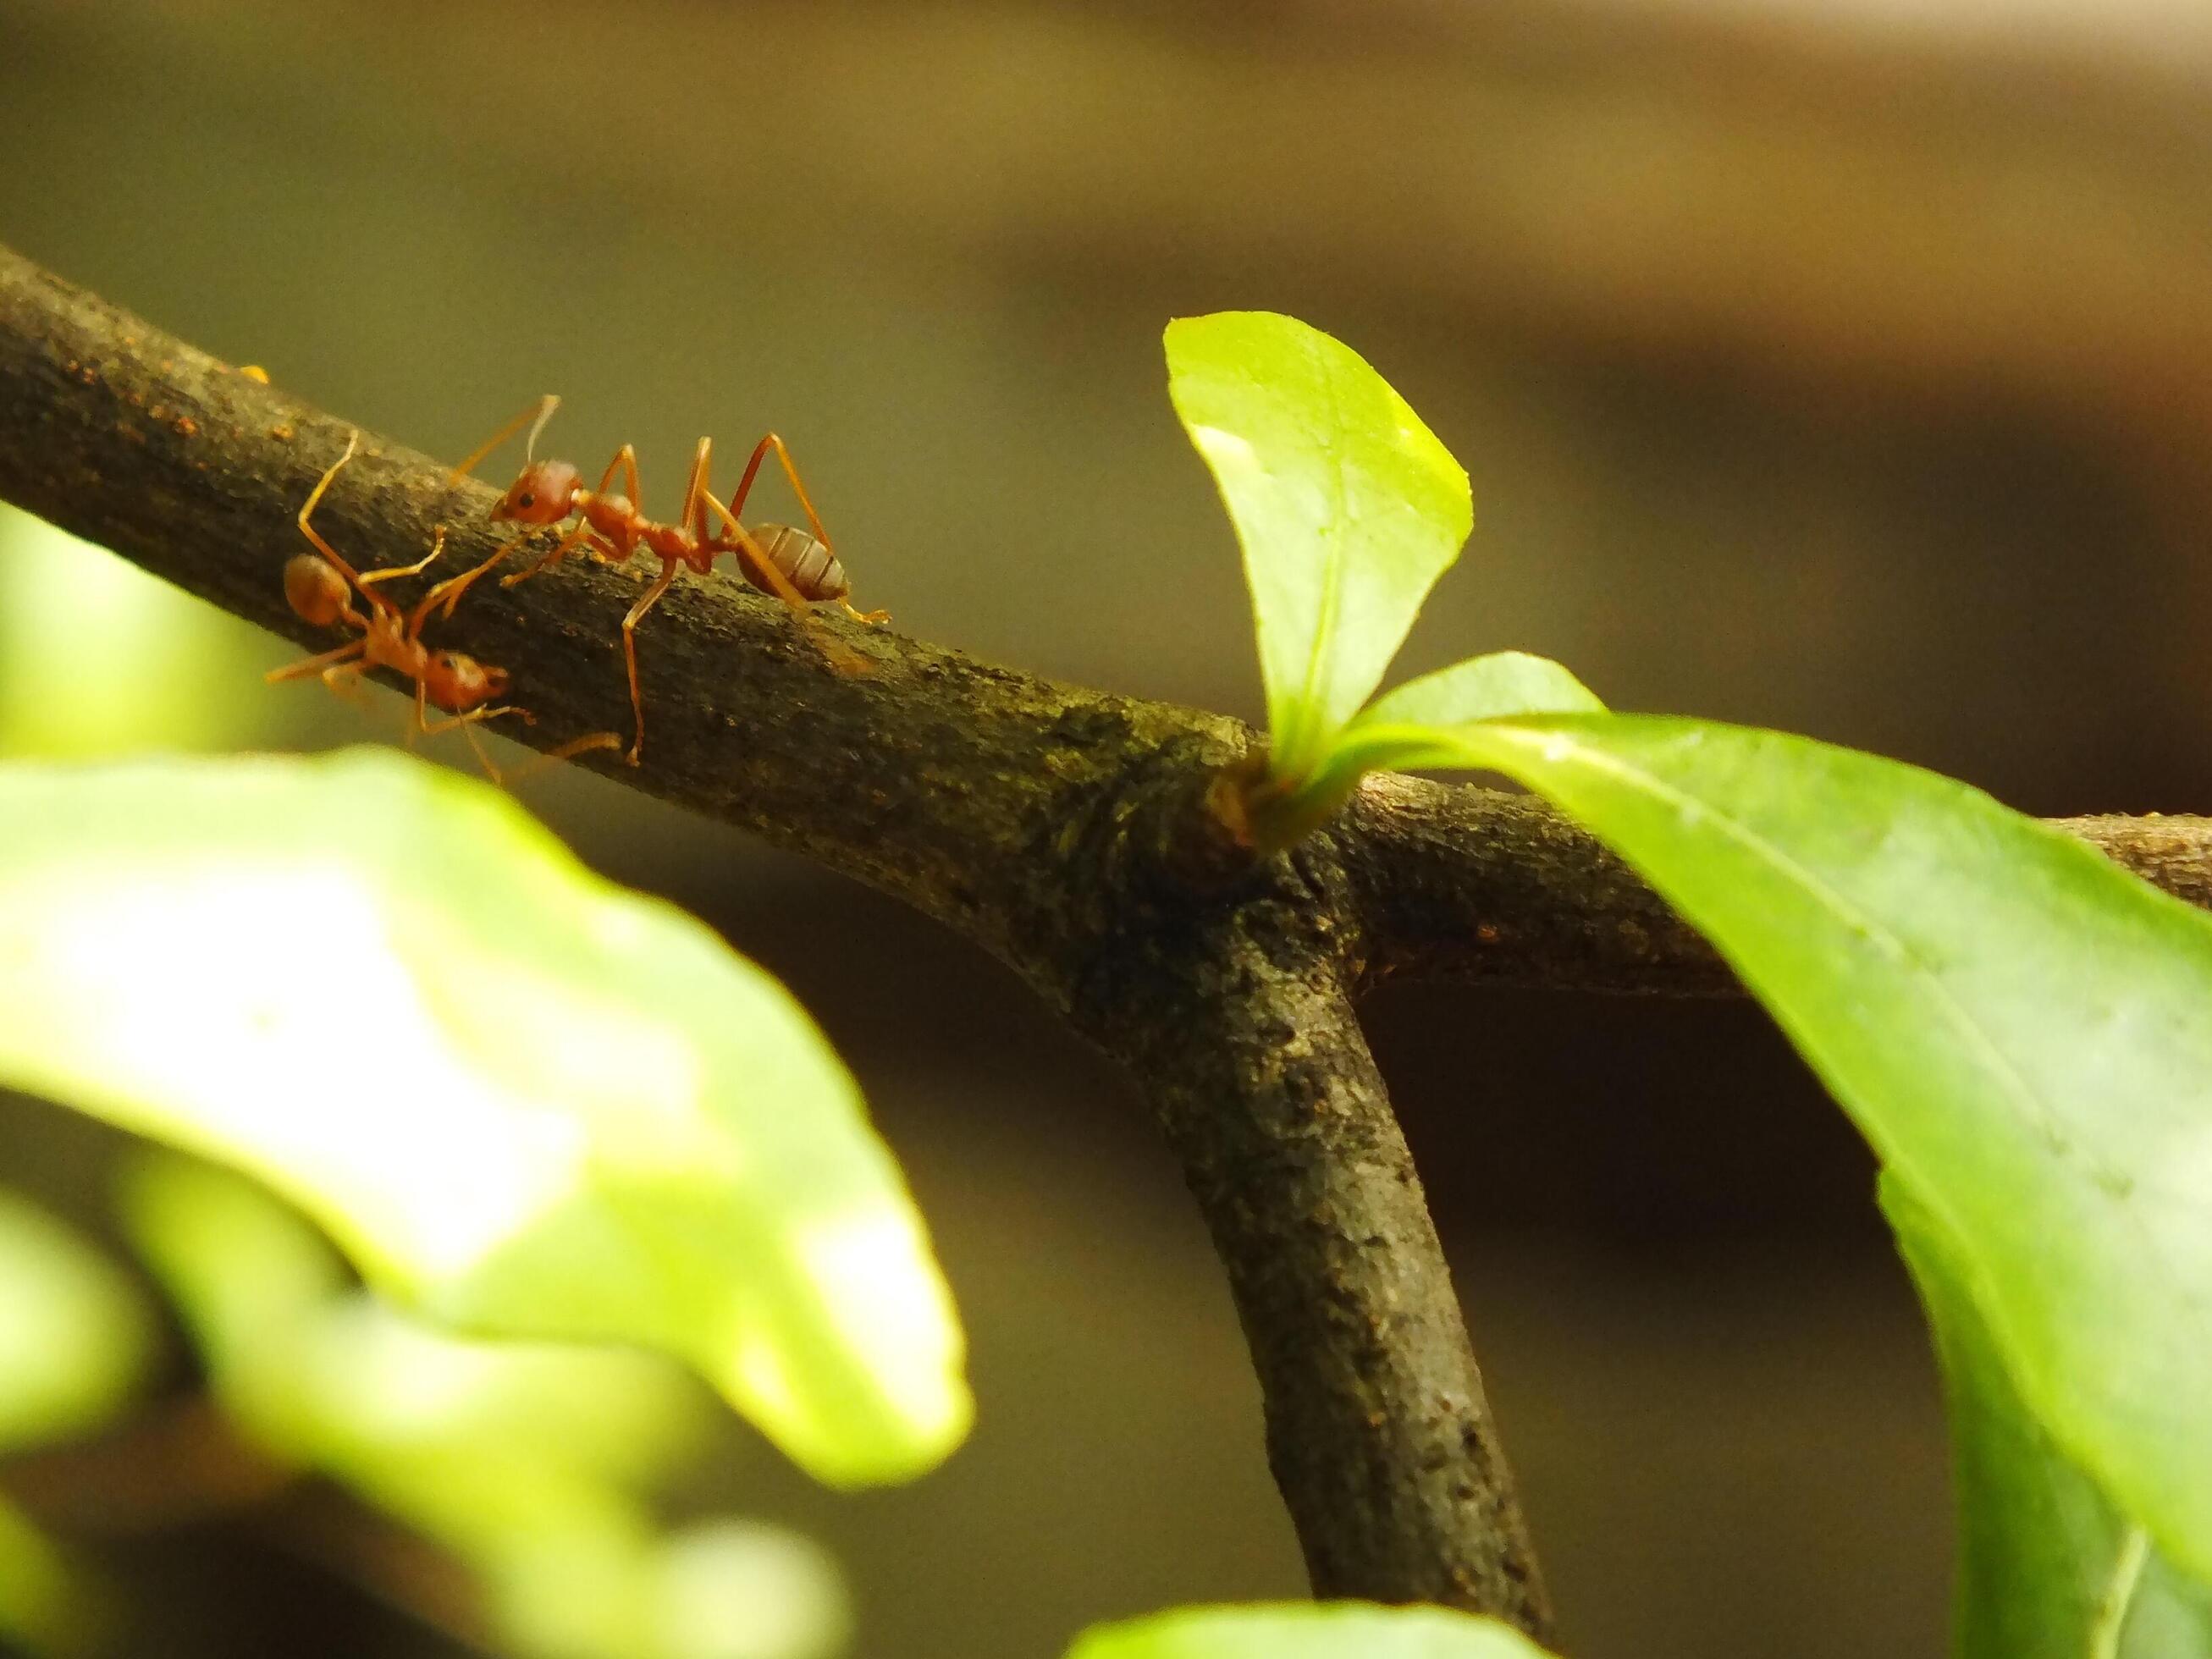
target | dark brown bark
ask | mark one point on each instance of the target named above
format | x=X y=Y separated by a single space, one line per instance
x=1066 y=831
x=1236 y=1016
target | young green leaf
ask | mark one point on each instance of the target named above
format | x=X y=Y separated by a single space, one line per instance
x=2022 y=1030
x=525 y=1102
x=1306 y=1630
x=1347 y=507
x=2047 y=1569
x=1485 y=687
x=1399 y=732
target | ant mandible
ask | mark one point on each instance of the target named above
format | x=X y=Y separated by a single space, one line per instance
x=793 y=565
x=320 y=586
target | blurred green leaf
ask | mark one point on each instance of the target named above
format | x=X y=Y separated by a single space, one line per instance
x=265 y=1297
x=1348 y=509
x=74 y=1335
x=523 y=1100
x=46 y=1606
x=173 y=672
x=530 y=1462
x=74 y=1340
x=1325 y=1630
x=2023 y=1030
x=2047 y=1568
x=738 y=1589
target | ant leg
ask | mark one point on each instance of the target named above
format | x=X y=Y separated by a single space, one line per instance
x=645 y=601
x=423 y=726
x=343 y=681
x=306 y=512
x=438 y=728
x=319 y=663
x=437 y=549
x=584 y=745
x=561 y=549
x=841 y=656
x=752 y=470
x=542 y=410
x=451 y=590
x=695 y=508
x=482 y=755
x=625 y=462
x=807 y=505
x=790 y=471
x=536 y=763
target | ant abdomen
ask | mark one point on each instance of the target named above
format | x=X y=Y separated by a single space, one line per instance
x=806 y=563
x=315 y=590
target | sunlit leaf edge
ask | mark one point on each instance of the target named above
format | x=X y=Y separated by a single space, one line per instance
x=1411 y=727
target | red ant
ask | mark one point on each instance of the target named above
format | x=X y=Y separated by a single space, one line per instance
x=796 y=567
x=319 y=587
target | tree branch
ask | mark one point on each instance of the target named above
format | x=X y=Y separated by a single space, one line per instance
x=1064 y=830
x=1479 y=885
x=1237 y=1020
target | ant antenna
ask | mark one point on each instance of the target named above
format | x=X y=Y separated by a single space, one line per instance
x=546 y=406
x=542 y=410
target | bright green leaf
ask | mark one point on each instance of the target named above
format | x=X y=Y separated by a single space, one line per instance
x=1306 y=1630
x=2047 y=1570
x=2022 y=1030
x=1347 y=507
x=524 y=1101
x=74 y=1335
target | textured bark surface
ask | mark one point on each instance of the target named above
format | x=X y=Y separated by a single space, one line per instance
x=1068 y=831
x=1236 y=1016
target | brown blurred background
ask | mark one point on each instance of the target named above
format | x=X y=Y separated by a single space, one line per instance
x=1841 y=365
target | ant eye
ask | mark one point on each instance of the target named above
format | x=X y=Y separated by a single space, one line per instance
x=526 y=500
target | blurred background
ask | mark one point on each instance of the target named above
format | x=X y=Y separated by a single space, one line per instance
x=1838 y=364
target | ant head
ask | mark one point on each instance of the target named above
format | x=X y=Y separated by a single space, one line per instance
x=315 y=590
x=458 y=683
x=544 y=494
